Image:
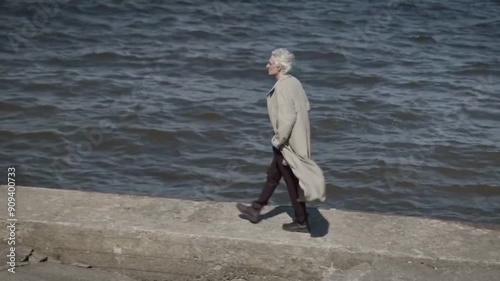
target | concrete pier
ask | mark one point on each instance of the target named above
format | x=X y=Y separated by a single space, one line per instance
x=168 y=239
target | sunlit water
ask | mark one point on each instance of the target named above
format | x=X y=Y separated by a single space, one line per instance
x=167 y=98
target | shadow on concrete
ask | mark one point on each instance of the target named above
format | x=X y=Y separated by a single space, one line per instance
x=318 y=223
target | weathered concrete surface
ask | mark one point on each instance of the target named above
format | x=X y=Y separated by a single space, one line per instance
x=383 y=270
x=191 y=239
x=61 y=272
x=379 y=270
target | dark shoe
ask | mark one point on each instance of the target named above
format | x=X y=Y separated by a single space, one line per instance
x=249 y=213
x=296 y=227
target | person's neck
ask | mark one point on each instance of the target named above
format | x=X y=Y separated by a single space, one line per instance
x=280 y=76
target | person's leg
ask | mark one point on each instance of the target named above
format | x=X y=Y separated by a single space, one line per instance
x=292 y=183
x=252 y=213
x=273 y=179
x=302 y=203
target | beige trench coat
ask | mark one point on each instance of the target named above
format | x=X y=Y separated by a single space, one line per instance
x=288 y=108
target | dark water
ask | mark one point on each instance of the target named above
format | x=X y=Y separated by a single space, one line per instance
x=167 y=98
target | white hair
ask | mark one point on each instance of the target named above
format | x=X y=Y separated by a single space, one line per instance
x=284 y=58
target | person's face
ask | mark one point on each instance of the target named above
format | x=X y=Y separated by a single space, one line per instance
x=272 y=67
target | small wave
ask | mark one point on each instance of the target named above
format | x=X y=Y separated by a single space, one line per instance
x=330 y=56
x=219 y=136
x=58 y=61
x=40 y=87
x=244 y=73
x=154 y=135
x=240 y=35
x=365 y=173
x=212 y=62
x=62 y=37
x=424 y=39
x=203 y=35
x=480 y=65
x=209 y=116
x=405 y=116
x=331 y=22
x=457 y=173
x=169 y=175
x=149 y=24
x=406 y=4
x=476 y=68
x=187 y=3
x=7 y=134
x=106 y=56
x=44 y=109
x=99 y=9
x=467 y=190
x=132 y=148
x=6 y=106
x=18 y=145
x=180 y=102
x=172 y=137
x=411 y=85
x=490 y=25
x=50 y=136
x=354 y=79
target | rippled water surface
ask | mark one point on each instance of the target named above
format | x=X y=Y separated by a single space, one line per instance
x=167 y=98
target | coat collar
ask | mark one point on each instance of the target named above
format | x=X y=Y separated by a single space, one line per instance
x=270 y=93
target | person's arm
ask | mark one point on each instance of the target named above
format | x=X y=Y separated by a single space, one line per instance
x=287 y=116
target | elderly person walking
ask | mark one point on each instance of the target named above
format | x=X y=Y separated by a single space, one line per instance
x=288 y=108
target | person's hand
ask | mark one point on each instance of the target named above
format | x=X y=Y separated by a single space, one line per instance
x=284 y=162
x=275 y=142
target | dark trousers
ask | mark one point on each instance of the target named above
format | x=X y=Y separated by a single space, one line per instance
x=274 y=173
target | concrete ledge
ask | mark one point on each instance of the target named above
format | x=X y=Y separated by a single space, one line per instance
x=190 y=239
